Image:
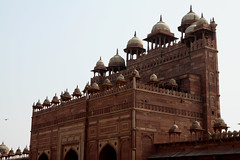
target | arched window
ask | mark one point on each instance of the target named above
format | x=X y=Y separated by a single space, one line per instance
x=71 y=155
x=108 y=153
x=43 y=157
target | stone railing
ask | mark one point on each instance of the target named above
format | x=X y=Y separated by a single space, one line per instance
x=54 y=107
x=113 y=90
x=168 y=92
x=109 y=109
x=169 y=110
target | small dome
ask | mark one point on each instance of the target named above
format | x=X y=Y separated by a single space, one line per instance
x=26 y=150
x=18 y=151
x=172 y=82
x=135 y=73
x=77 y=92
x=87 y=87
x=219 y=121
x=116 y=61
x=202 y=20
x=107 y=84
x=100 y=65
x=190 y=17
x=38 y=105
x=106 y=81
x=135 y=42
x=120 y=77
x=11 y=152
x=4 y=148
x=66 y=96
x=196 y=125
x=94 y=88
x=174 y=128
x=55 y=99
x=160 y=26
x=46 y=102
x=153 y=78
x=191 y=28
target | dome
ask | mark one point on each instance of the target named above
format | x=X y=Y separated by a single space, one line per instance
x=11 y=152
x=94 y=88
x=196 y=125
x=135 y=42
x=66 y=96
x=107 y=84
x=3 y=148
x=86 y=88
x=172 y=82
x=174 y=128
x=219 y=121
x=190 y=17
x=100 y=65
x=202 y=20
x=26 y=150
x=135 y=73
x=77 y=92
x=153 y=78
x=106 y=81
x=191 y=28
x=38 y=105
x=46 y=102
x=55 y=99
x=120 y=79
x=116 y=61
x=160 y=26
x=18 y=151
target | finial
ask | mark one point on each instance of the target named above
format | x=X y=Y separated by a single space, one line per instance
x=77 y=86
x=202 y=15
x=100 y=58
x=135 y=34
x=160 y=18
x=190 y=8
x=55 y=94
x=117 y=51
x=213 y=19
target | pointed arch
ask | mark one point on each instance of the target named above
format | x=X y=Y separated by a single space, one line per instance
x=71 y=155
x=147 y=146
x=108 y=153
x=43 y=157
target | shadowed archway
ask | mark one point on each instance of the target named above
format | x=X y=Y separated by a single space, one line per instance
x=71 y=155
x=43 y=157
x=108 y=153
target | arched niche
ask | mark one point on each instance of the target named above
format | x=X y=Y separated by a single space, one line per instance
x=43 y=156
x=108 y=153
x=71 y=155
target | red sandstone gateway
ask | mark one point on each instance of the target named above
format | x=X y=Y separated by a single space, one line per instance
x=163 y=104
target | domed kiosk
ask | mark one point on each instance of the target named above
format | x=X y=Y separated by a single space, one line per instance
x=116 y=63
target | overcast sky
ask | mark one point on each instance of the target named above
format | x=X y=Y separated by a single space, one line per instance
x=47 y=46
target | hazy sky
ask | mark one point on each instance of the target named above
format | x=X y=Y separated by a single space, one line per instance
x=47 y=46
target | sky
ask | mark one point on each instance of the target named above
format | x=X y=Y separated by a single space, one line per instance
x=48 y=46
